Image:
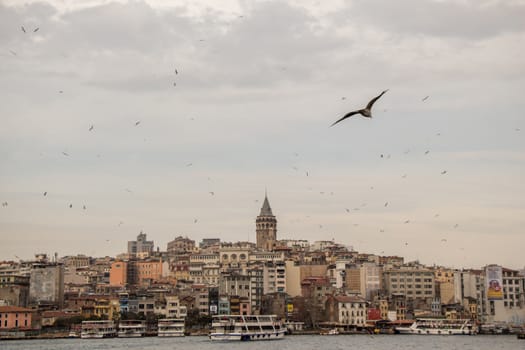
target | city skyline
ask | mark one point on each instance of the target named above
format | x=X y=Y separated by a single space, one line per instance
x=175 y=118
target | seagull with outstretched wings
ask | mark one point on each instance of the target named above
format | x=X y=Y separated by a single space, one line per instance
x=365 y=112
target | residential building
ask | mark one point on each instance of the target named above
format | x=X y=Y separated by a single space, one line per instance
x=14 y=290
x=181 y=245
x=415 y=283
x=346 y=310
x=47 y=284
x=118 y=275
x=141 y=245
x=15 y=317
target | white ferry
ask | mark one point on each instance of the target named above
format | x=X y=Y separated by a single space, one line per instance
x=171 y=327
x=131 y=329
x=440 y=326
x=244 y=327
x=98 y=329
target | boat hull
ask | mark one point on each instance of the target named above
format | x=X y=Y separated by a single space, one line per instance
x=247 y=336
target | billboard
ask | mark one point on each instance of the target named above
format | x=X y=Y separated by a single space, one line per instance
x=494 y=280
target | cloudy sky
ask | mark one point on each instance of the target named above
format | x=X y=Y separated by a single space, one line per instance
x=197 y=107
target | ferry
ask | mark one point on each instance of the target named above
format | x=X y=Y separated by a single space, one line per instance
x=246 y=327
x=171 y=327
x=98 y=329
x=131 y=329
x=440 y=326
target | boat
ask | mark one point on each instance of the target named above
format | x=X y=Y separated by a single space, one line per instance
x=440 y=326
x=98 y=329
x=73 y=334
x=131 y=329
x=332 y=331
x=246 y=327
x=171 y=327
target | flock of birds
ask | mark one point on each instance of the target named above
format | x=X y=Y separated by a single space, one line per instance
x=365 y=112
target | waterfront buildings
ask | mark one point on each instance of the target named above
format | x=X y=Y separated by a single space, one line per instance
x=311 y=283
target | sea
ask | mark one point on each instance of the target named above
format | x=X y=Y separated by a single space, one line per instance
x=293 y=342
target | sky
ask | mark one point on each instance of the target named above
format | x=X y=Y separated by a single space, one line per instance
x=174 y=118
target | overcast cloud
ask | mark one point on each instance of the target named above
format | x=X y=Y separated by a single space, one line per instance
x=258 y=85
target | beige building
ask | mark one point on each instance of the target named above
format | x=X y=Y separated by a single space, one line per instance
x=296 y=273
x=181 y=245
x=347 y=310
x=415 y=283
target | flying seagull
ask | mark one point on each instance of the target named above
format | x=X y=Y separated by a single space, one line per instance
x=365 y=112
x=91 y=128
x=23 y=29
x=35 y=30
x=45 y=193
x=425 y=98
x=137 y=122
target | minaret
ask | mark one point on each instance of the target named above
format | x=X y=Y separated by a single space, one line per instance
x=266 y=227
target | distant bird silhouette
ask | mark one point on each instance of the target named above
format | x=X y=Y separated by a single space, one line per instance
x=386 y=204
x=137 y=122
x=12 y=52
x=23 y=29
x=91 y=128
x=71 y=205
x=426 y=152
x=5 y=204
x=35 y=30
x=212 y=193
x=84 y=207
x=45 y=193
x=365 y=112
x=425 y=98
x=66 y=154
x=407 y=221
x=443 y=172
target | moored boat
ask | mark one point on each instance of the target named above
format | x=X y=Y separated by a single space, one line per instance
x=98 y=329
x=332 y=331
x=439 y=326
x=171 y=327
x=246 y=327
x=131 y=329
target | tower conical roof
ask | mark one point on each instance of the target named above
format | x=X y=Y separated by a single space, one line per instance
x=266 y=210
